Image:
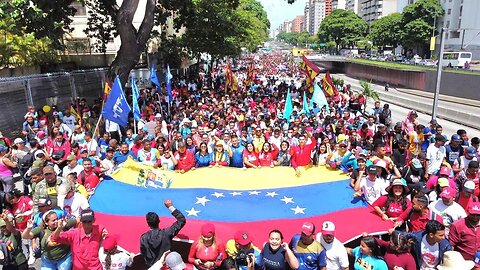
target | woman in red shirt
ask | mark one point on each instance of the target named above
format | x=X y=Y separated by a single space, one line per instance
x=392 y=205
x=397 y=253
x=250 y=157
x=268 y=155
x=207 y=252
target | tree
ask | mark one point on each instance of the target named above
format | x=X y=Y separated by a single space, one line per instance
x=368 y=91
x=417 y=22
x=387 y=30
x=342 y=26
x=100 y=25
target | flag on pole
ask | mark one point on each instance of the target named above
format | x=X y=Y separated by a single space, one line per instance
x=311 y=71
x=74 y=113
x=153 y=76
x=319 y=98
x=135 y=97
x=287 y=111
x=106 y=90
x=230 y=79
x=168 y=80
x=328 y=86
x=305 y=108
x=250 y=75
x=116 y=108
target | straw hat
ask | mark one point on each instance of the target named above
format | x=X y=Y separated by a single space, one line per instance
x=453 y=260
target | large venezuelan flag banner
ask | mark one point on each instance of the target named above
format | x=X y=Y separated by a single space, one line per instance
x=255 y=200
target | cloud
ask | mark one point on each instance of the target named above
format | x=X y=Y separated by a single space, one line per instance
x=279 y=10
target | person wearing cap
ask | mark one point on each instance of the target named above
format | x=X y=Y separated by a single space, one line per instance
x=111 y=257
x=84 y=155
x=372 y=186
x=435 y=155
x=148 y=155
x=453 y=150
x=12 y=238
x=417 y=218
x=72 y=166
x=73 y=203
x=447 y=207
x=6 y=172
x=466 y=197
x=336 y=254
x=48 y=187
x=207 y=252
x=84 y=241
x=444 y=173
x=472 y=173
x=54 y=255
x=464 y=234
x=301 y=153
x=309 y=252
x=392 y=205
x=461 y=163
x=107 y=164
x=399 y=155
x=429 y=245
x=185 y=159
x=276 y=254
x=241 y=246
x=156 y=241
x=340 y=157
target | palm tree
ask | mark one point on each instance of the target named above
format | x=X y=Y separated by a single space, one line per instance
x=368 y=91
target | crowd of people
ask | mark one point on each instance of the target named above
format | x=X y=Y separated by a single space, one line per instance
x=425 y=182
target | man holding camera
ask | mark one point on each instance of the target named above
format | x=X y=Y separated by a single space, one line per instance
x=242 y=250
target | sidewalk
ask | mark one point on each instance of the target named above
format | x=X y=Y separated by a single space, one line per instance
x=458 y=110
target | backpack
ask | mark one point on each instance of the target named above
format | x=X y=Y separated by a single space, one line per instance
x=26 y=161
x=6 y=255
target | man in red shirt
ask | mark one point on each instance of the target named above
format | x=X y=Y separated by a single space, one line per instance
x=186 y=160
x=137 y=144
x=418 y=217
x=301 y=153
x=364 y=131
x=90 y=176
x=84 y=241
x=464 y=234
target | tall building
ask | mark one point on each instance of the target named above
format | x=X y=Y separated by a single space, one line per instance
x=338 y=4
x=371 y=10
x=306 y=15
x=297 y=23
x=317 y=11
x=328 y=7
x=463 y=23
x=352 y=5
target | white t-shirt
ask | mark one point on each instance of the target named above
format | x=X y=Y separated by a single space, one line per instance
x=373 y=190
x=450 y=213
x=108 y=165
x=70 y=121
x=67 y=170
x=337 y=257
x=92 y=145
x=430 y=255
x=75 y=204
x=435 y=157
x=119 y=261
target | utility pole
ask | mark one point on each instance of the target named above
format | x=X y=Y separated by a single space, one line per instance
x=439 y=74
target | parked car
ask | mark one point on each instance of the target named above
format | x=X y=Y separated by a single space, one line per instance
x=415 y=60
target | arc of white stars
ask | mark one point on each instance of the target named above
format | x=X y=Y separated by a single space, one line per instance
x=202 y=200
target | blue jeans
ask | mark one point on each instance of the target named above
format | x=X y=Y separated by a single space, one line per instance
x=64 y=263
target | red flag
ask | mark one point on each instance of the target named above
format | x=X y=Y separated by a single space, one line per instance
x=328 y=87
x=311 y=71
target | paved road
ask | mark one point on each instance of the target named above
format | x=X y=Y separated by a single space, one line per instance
x=399 y=113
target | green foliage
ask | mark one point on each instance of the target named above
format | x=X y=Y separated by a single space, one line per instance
x=100 y=25
x=417 y=21
x=368 y=91
x=387 y=30
x=342 y=26
x=296 y=39
x=171 y=52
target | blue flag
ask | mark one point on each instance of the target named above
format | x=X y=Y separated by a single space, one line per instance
x=305 y=108
x=287 y=112
x=168 y=80
x=135 y=96
x=319 y=98
x=153 y=76
x=116 y=108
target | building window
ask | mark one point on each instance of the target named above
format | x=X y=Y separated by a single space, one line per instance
x=447 y=24
x=81 y=11
x=461 y=10
x=449 y=11
x=455 y=34
x=459 y=23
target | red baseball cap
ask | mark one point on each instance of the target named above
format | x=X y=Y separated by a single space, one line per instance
x=110 y=242
x=474 y=208
x=448 y=193
x=243 y=238
x=208 y=230
x=308 y=228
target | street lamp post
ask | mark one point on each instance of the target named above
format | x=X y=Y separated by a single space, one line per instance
x=439 y=75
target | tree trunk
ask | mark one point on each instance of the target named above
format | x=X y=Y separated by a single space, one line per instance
x=133 y=42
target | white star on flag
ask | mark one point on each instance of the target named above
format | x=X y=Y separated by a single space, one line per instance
x=254 y=192
x=298 y=210
x=203 y=200
x=218 y=194
x=192 y=212
x=236 y=193
x=287 y=200
x=272 y=194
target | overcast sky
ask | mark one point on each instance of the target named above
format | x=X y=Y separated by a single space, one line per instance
x=280 y=10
